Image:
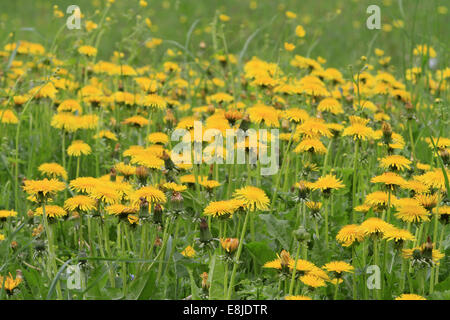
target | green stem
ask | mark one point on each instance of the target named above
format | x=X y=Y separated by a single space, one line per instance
x=51 y=250
x=238 y=254
x=294 y=271
x=336 y=290
x=355 y=169
x=376 y=255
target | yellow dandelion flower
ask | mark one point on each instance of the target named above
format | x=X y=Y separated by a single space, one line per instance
x=338 y=267
x=253 y=198
x=312 y=145
x=8 y=116
x=298 y=297
x=118 y=209
x=375 y=226
x=9 y=283
x=43 y=187
x=327 y=183
x=300 y=31
x=350 y=234
x=331 y=105
x=395 y=162
x=158 y=137
x=289 y=46
x=51 y=211
x=312 y=281
x=84 y=184
x=80 y=203
x=78 y=148
x=88 y=51
x=390 y=179
x=410 y=296
x=105 y=193
x=137 y=121
x=398 y=235
x=149 y=193
x=53 y=170
x=259 y=113
x=295 y=115
x=219 y=209
x=188 y=252
x=7 y=213
x=412 y=213
x=358 y=129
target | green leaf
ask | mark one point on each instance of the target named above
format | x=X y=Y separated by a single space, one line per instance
x=216 y=278
x=195 y=291
x=277 y=229
x=260 y=251
x=443 y=285
x=143 y=287
x=444 y=295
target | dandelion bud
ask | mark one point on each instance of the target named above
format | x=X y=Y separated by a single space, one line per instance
x=229 y=244
x=158 y=242
x=233 y=115
x=177 y=200
x=445 y=155
x=285 y=258
x=39 y=245
x=205 y=234
x=302 y=235
x=170 y=118
x=205 y=284
x=427 y=252
x=302 y=190
x=211 y=109
x=387 y=132
x=112 y=174
x=409 y=111
x=142 y=174
x=117 y=148
x=157 y=214
x=143 y=207
x=14 y=245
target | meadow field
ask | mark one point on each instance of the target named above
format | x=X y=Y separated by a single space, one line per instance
x=218 y=150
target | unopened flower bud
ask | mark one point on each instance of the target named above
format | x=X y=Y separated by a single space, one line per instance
x=205 y=234
x=143 y=212
x=427 y=252
x=445 y=155
x=158 y=242
x=205 y=284
x=112 y=174
x=157 y=214
x=285 y=258
x=142 y=174
x=387 y=132
x=177 y=200
x=302 y=235
x=229 y=244
x=14 y=245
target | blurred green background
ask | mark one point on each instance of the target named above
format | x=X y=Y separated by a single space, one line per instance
x=335 y=30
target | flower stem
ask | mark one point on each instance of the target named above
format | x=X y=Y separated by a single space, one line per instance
x=238 y=254
x=294 y=271
x=51 y=250
x=355 y=169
